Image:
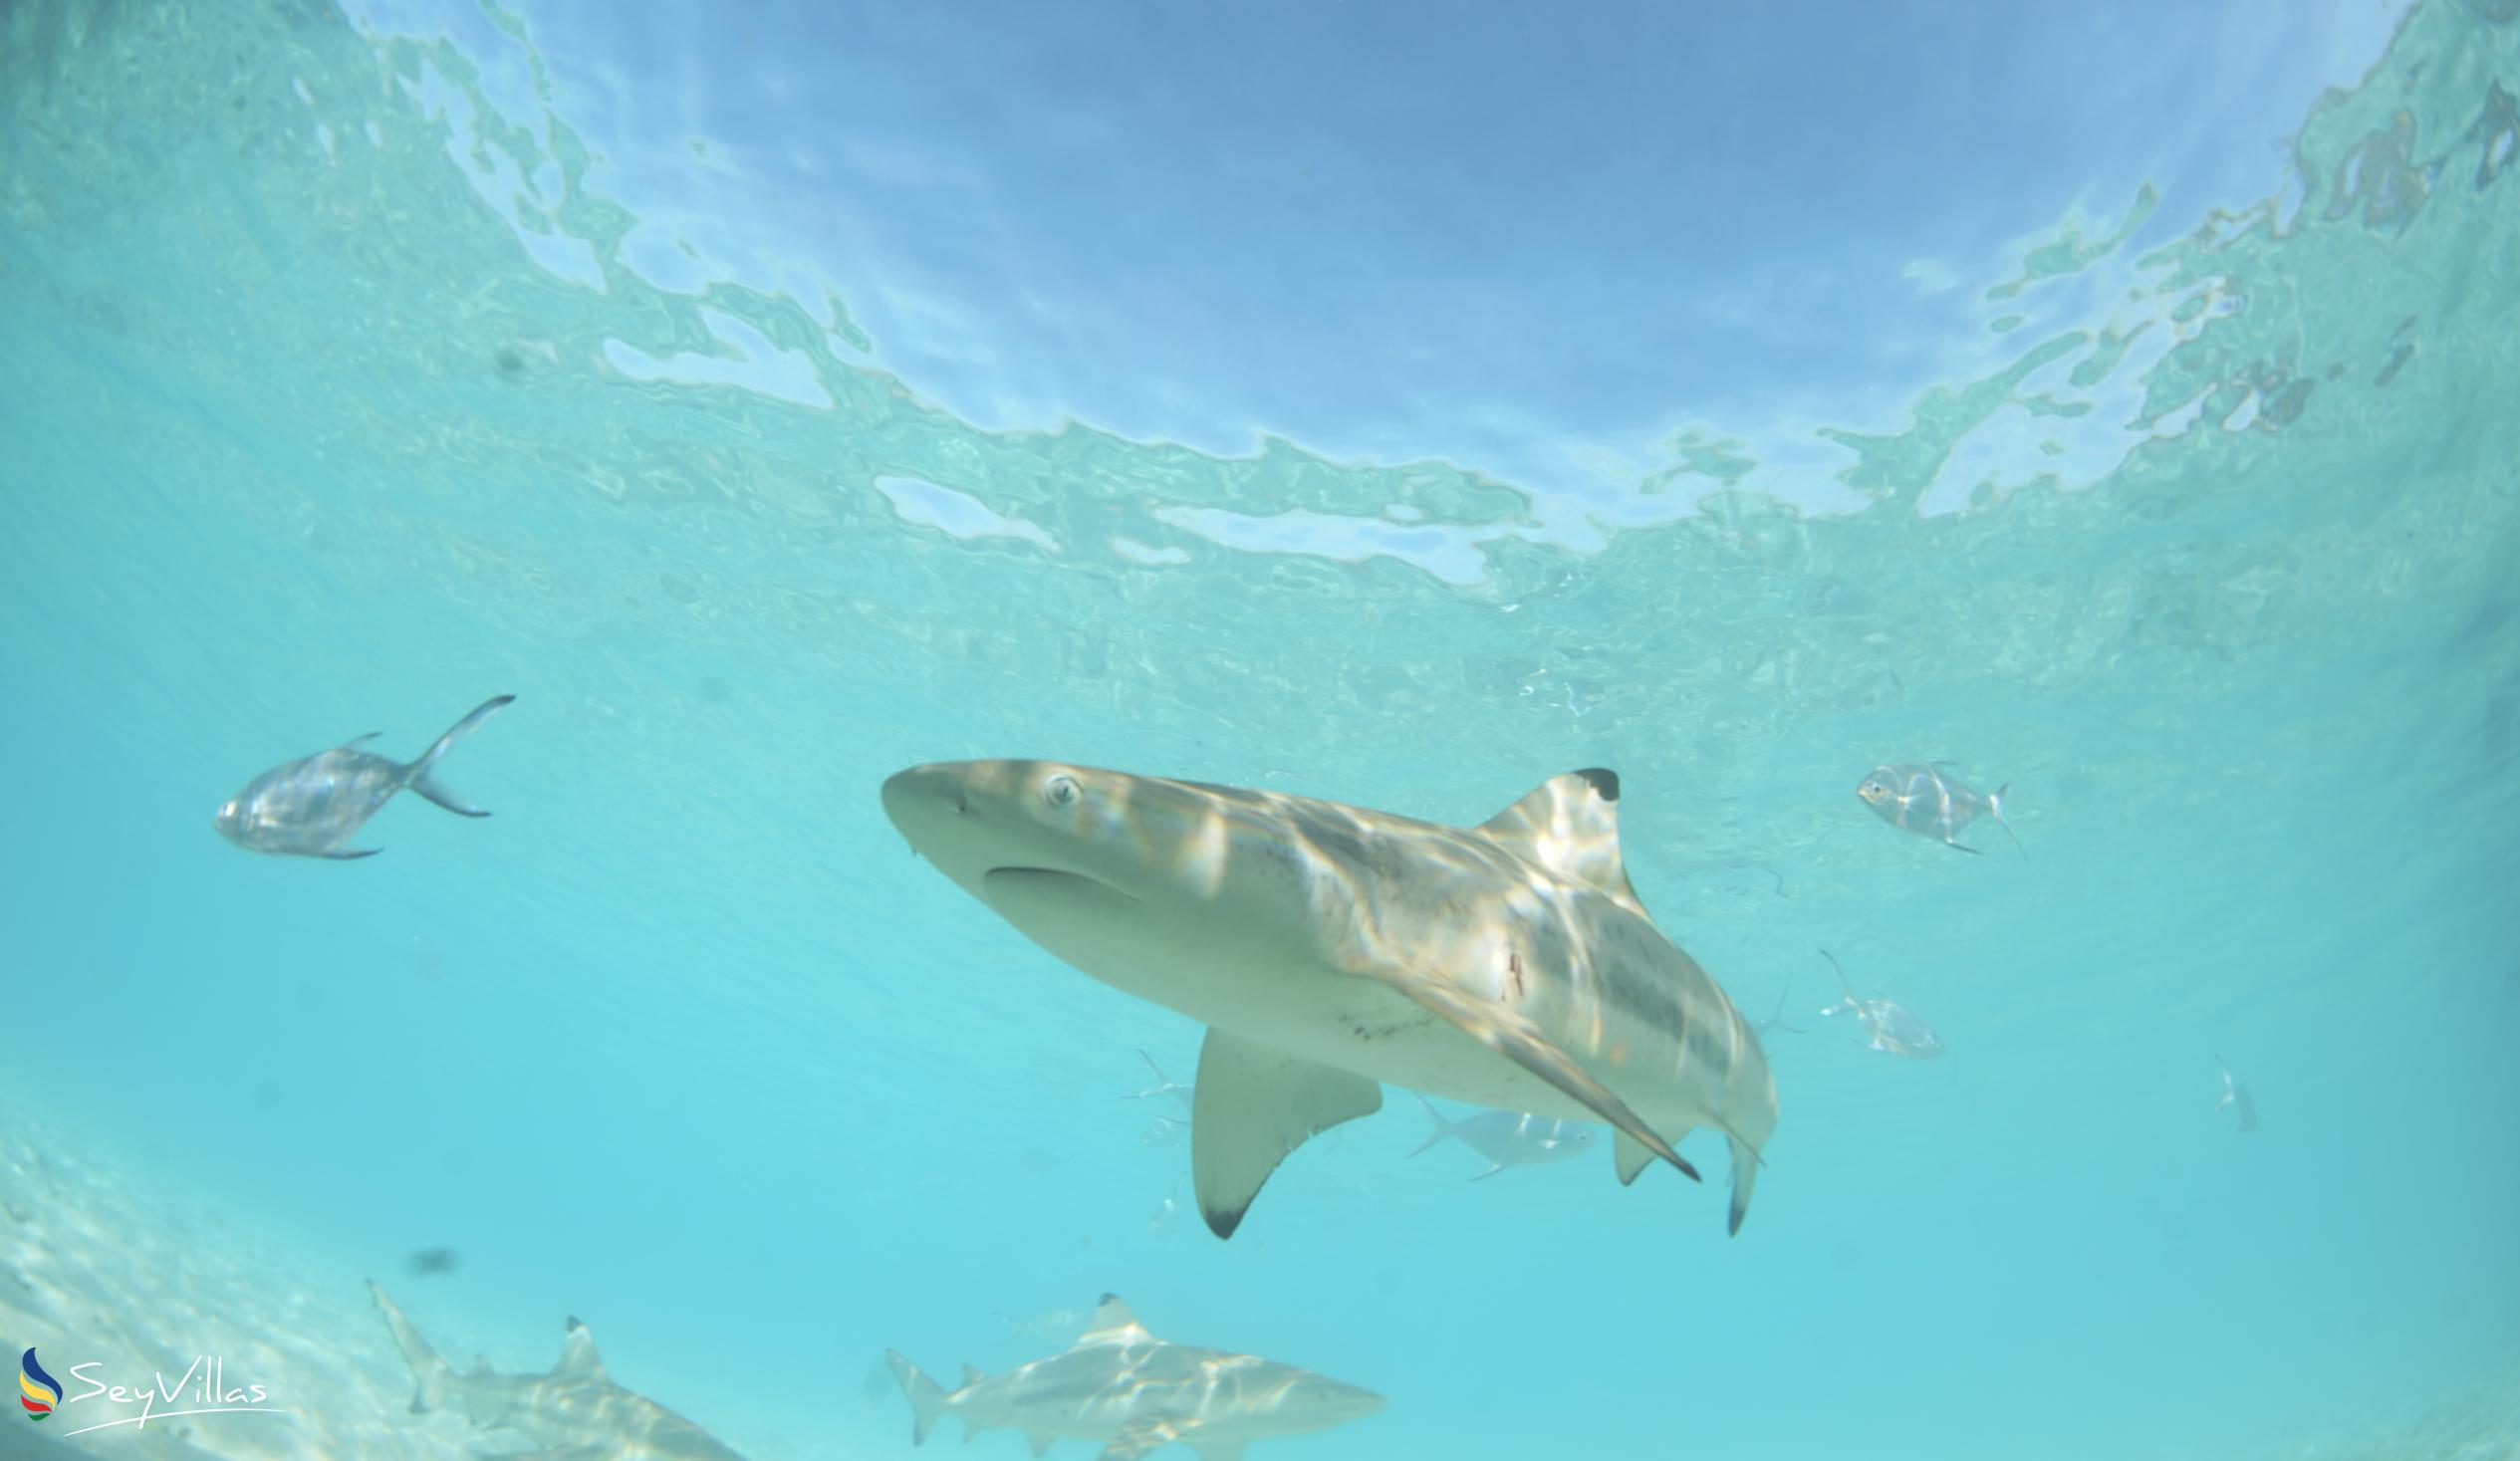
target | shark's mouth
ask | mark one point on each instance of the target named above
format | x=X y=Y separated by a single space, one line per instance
x=1028 y=882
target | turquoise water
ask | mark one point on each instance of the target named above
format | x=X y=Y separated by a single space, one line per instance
x=2213 y=555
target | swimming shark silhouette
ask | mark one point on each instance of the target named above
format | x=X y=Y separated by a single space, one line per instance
x=574 y=1412
x=1136 y=1394
x=1328 y=948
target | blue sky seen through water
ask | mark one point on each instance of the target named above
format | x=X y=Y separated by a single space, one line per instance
x=1535 y=244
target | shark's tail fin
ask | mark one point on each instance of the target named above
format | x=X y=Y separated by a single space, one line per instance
x=927 y=1401
x=422 y=771
x=1442 y=1129
x=428 y=1367
x=1995 y=809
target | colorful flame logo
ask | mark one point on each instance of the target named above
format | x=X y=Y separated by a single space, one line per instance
x=37 y=1391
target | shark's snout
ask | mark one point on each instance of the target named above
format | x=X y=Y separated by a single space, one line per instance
x=1339 y=1402
x=950 y=819
x=921 y=798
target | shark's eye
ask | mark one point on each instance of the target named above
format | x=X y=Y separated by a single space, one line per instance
x=1060 y=792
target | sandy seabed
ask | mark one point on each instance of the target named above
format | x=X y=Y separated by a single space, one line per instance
x=97 y=1268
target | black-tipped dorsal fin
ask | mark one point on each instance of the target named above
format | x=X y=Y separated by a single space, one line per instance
x=1112 y=1324
x=1569 y=826
x=576 y=1352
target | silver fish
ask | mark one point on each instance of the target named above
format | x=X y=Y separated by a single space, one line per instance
x=2235 y=1093
x=1887 y=1027
x=1926 y=799
x=310 y=806
x=1509 y=1138
x=1166 y=1086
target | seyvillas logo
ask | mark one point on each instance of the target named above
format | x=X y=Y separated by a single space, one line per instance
x=202 y=1389
x=37 y=1391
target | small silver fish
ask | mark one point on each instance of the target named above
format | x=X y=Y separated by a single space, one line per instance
x=1887 y=1027
x=1509 y=1138
x=1164 y=1086
x=2235 y=1093
x=1926 y=799
x=310 y=806
x=1164 y=1132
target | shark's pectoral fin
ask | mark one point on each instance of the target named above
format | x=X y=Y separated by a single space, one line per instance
x=1512 y=1035
x=1040 y=1441
x=1218 y=1450
x=1253 y=1105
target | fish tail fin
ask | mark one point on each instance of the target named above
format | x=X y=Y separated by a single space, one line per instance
x=423 y=778
x=1995 y=808
x=428 y=1367
x=1442 y=1129
x=1745 y=1175
x=1842 y=978
x=927 y=1401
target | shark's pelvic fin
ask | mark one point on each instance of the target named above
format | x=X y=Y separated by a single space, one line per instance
x=1512 y=1035
x=1745 y=1175
x=1140 y=1438
x=578 y=1358
x=1254 y=1104
x=1040 y=1441
x=1570 y=824
x=1632 y=1157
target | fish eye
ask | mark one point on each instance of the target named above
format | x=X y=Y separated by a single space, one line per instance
x=1061 y=791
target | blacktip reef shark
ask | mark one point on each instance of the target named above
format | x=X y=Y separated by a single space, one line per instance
x=1121 y=1386
x=310 y=806
x=1328 y=947
x=575 y=1414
